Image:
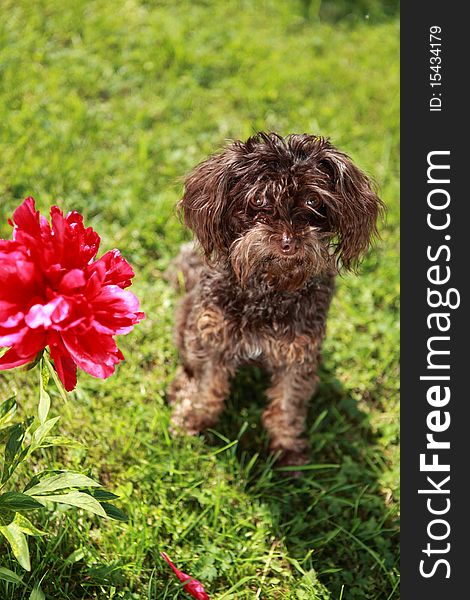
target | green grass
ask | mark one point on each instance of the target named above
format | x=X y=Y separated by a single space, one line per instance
x=104 y=108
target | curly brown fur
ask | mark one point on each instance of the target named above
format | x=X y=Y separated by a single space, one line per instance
x=276 y=219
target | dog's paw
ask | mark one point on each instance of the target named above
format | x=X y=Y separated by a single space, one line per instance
x=292 y=457
x=183 y=421
x=186 y=421
x=291 y=460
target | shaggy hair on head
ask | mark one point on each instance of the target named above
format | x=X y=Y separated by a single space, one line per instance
x=275 y=219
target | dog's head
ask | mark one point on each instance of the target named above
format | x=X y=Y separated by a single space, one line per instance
x=284 y=208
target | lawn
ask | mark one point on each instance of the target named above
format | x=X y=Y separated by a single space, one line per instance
x=105 y=106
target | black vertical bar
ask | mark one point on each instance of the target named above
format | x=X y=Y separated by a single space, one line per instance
x=435 y=556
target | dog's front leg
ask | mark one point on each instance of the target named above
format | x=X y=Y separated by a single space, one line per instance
x=200 y=398
x=201 y=386
x=284 y=418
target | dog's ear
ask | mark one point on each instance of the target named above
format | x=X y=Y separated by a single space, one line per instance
x=354 y=206
x=206 y=199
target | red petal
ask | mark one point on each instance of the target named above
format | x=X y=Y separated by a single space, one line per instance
x=75 y=246
x=43 y=315
x=117 y=270
x=32 y=229
x=11 y=338
x=193 y=586
x=72 y=280
x=94 y=353
x=64 y=365
x=11 y=359
x=26 y=219
x=116 y=310
x=31 y=343
x=9 y=317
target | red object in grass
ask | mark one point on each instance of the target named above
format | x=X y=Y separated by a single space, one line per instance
x=54 y=293
x=193 y=586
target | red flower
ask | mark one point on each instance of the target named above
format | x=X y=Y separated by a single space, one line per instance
x=193 y=586
x=54 y=293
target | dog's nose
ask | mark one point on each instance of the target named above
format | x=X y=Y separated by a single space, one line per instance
x=288 y=244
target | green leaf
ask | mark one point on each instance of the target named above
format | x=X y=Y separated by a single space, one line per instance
x=5 y=432
x=44 y=372
x=18 y=501
x=10 y=576
x=14 y=442
x=60 y=482
x=44 y=398
x=77 y=499
x=113 y=512
x=76 y=556
x=26 y=526
x=12 y=448
x=57 y=381
x=19 y=545
x=7 y=409
x=42 y=431
x=59 y=440
x=6 y=516
x=44 y=405
x=37 y=593
x=101 y=495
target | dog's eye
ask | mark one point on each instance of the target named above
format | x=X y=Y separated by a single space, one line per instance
x=259 y=202
x=313 y=202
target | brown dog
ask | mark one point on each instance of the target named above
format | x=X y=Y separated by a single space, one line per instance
x=276 y=218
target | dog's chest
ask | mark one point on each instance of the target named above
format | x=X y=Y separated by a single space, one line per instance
x=275 y=312
x=271 y=326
